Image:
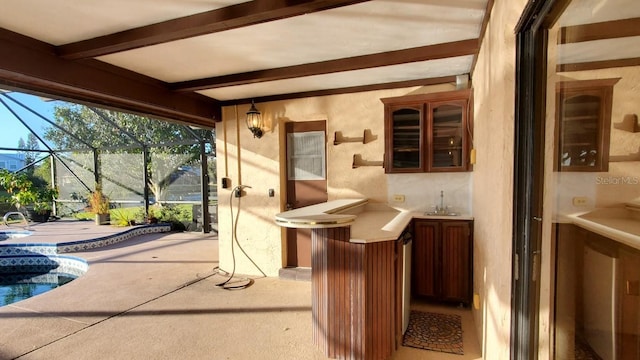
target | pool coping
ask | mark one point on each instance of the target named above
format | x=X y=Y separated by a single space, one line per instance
x=17 y=250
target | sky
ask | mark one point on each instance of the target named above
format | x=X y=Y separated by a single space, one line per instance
x=11 y=129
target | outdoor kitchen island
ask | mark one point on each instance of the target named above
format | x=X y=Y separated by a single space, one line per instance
x=356 y=279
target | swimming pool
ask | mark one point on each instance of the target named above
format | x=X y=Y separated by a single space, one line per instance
x=29 y=282
x=15 y=256
x=27 y=276
x=13 y=234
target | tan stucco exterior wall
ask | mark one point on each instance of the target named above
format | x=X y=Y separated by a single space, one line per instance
x=494 y=98
x=262 y=163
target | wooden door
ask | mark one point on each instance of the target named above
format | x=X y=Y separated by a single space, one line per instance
x=424 y=267
x=306 y=181
x=456 y=262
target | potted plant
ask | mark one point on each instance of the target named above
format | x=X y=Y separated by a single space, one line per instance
x=99 y=205
x=42 y=204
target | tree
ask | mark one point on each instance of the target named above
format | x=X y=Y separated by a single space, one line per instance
x=170 y=145
x=27 y=147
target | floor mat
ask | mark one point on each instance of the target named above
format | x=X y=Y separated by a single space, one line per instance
x=436 y=332
x=584 y=351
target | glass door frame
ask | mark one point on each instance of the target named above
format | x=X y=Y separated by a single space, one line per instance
x=531 y=75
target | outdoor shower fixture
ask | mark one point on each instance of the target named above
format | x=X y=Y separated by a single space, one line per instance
x=254 y=121
x=237 y=191
x=232 y=282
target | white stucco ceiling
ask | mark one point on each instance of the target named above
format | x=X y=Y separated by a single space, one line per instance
x=60 y=22
x=365 y=28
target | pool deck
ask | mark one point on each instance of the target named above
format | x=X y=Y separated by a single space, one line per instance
x=155 y=297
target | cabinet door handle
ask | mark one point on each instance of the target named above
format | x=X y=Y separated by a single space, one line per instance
x=537 y=218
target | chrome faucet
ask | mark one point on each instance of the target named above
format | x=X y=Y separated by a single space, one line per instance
x=441 y=209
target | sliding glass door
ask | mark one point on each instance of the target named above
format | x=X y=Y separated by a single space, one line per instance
x=577 y=190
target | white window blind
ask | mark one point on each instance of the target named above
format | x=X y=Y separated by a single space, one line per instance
x=306 y=156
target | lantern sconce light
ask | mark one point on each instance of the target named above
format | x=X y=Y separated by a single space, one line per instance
x=254 y=121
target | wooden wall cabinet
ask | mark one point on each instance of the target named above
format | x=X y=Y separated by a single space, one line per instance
x=442 y=260
x=428 y=132
x=583 y=124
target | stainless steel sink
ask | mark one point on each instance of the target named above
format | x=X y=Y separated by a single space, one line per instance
x=441 y=214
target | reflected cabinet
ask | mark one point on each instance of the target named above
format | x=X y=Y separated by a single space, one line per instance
x=583 y=124
x=428 y=132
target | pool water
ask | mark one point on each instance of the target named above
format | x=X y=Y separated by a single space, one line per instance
x=13 y=234
x=28 y=281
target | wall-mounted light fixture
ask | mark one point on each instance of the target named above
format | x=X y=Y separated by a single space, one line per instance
x=254 y=121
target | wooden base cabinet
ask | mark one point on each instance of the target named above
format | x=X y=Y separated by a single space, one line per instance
x=355 y=295
x=443 y=260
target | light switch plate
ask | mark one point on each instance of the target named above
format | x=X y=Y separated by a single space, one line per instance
x=399 y=198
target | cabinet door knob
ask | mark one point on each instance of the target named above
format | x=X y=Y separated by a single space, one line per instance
x=537 y=218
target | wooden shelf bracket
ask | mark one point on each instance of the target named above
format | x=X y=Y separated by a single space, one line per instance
x=358 y=161
x=367 y=137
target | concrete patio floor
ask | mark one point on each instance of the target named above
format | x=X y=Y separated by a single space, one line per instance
x=155 y=297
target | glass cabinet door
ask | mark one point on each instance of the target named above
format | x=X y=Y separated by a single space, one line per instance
x=428 y=132
x=579 y=130
x=447 y=146
x=406 y=127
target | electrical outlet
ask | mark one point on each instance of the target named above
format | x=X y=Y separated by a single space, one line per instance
x=580 y=201
x=399 y=198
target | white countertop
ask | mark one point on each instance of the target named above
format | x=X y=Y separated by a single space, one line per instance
x=321 y=215
x=617 y=224
x=370 y=222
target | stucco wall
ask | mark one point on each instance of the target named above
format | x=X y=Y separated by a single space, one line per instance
x=262 y=163
x=494 y=98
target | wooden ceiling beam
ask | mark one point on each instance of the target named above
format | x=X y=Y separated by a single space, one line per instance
x=230 y=17
x=596 y=65
x=32 y=65
x=423 y=53
x=600 y=31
